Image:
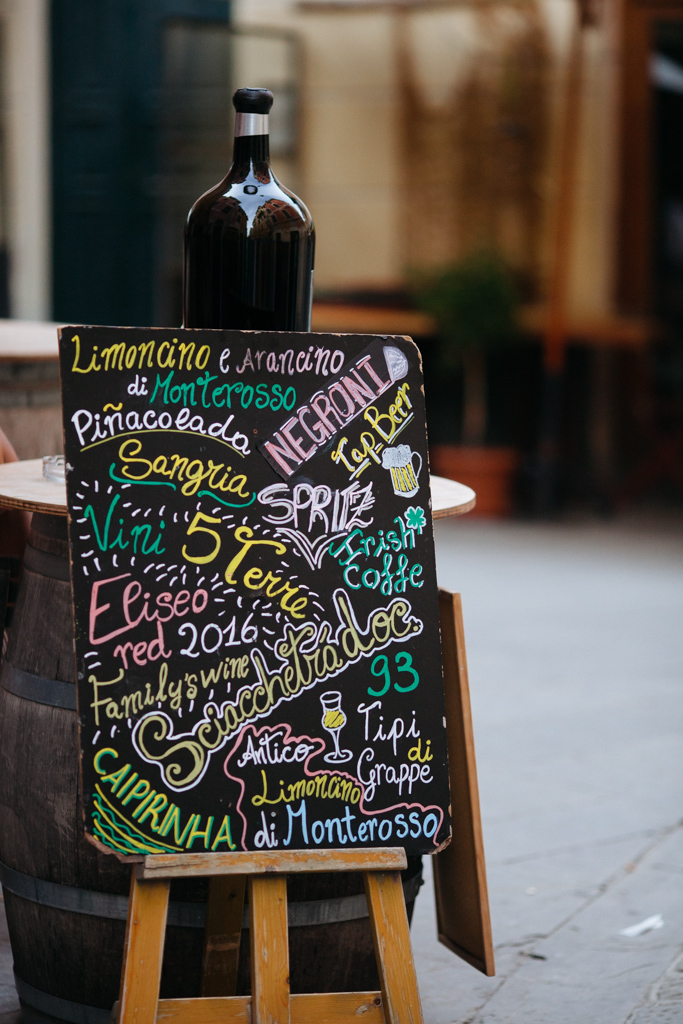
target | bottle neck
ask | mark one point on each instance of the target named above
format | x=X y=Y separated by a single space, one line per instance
x=251 y=144
x=250 y=149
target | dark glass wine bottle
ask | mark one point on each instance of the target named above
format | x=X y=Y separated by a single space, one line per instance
x=249 y=242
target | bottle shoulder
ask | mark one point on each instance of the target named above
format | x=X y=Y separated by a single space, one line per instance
x=251 y=202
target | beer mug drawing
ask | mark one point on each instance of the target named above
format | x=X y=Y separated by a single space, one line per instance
x=399 y=462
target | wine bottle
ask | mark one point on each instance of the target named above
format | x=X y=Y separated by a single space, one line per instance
x=249 y=242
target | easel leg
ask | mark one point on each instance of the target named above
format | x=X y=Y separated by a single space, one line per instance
x=391 y=937
x=143 y=951
x=222 y=936
x=269 y=949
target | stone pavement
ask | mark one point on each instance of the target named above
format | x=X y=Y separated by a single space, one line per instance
x=575 y=645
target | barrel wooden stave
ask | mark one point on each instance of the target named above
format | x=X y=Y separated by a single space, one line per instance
x=66 y=955
x=323 y=958
x=70 y=955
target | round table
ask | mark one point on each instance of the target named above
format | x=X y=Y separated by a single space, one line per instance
x=22 y=485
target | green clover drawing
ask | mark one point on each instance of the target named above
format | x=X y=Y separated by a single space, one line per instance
x=415 y=518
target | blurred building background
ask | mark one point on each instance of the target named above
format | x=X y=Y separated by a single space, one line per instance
x=418 y=133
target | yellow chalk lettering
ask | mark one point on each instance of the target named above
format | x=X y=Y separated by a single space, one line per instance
x=223 y=835
x=116 y=777
x=196 y=834
x=140 y=789
x=99 y=755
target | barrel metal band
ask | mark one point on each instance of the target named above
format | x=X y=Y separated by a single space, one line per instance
x=181 y=914
x=55 y=1006
x=54 y=692
x=90 y=901
x=46 y=564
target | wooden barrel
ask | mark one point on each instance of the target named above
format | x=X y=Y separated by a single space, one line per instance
x=65 y=901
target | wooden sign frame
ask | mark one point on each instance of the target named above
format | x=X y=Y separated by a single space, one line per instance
x=460 y=887
x=202 y=733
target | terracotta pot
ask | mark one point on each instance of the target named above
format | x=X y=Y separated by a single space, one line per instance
x=490 y=472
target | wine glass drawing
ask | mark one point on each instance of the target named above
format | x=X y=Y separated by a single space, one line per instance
x=333 y=721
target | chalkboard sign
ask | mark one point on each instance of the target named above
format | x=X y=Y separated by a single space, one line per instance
x=257 y=632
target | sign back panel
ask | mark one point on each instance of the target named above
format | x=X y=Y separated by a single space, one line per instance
x=257 y=631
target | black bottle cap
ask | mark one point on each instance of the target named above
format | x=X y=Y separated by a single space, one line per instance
x=253 y=101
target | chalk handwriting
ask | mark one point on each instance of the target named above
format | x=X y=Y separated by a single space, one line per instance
x=330 y=410
x=256 y=621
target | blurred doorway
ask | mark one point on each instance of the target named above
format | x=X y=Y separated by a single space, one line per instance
x=651 y=163
x=666 y=76
x=141 y=127
x=650 y=253
x=107 y=61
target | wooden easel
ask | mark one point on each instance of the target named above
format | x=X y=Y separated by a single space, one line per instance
x=398 y=1001
x=461 y=898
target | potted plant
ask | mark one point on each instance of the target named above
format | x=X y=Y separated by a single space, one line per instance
x=474 y=304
